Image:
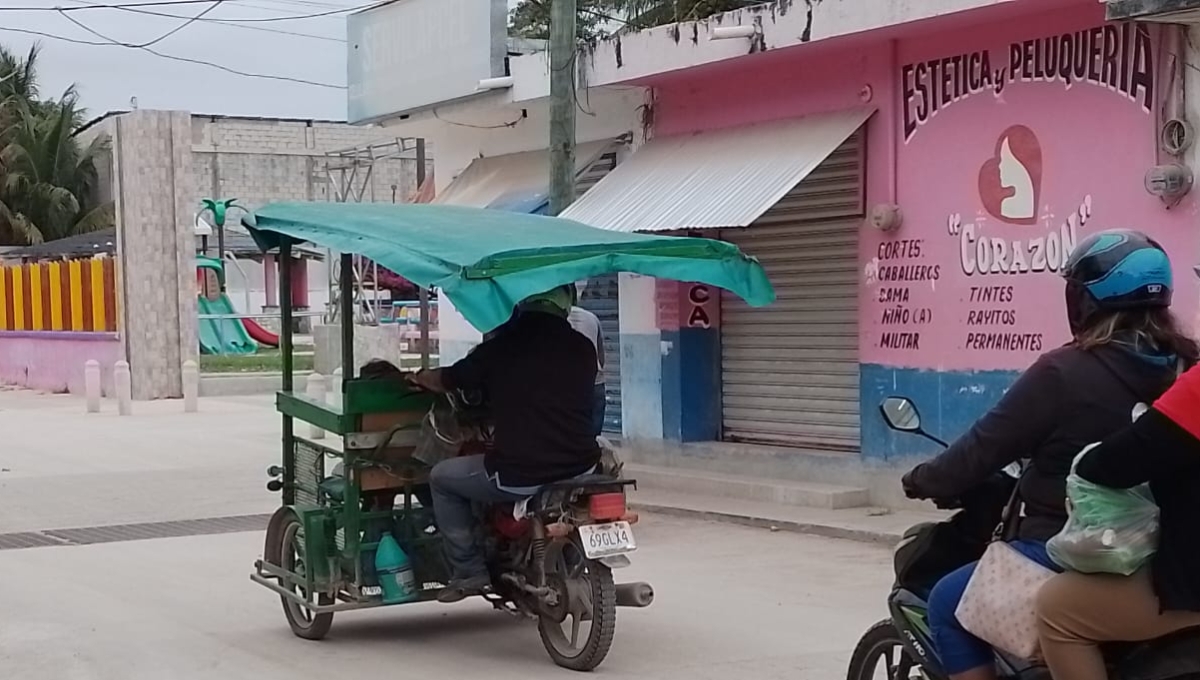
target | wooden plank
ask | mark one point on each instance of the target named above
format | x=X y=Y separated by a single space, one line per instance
x=5 y=298
x=75 y=274
x=37 y=316
x=110 y=295
x=55 y=275
x=85 y=284
x=99 y=318
x=18 y=298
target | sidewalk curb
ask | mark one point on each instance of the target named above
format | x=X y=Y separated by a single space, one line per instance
x=826 y=531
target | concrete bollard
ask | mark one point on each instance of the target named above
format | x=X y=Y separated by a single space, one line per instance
x=124 y=387
x=91 y=385
x=191 y=387
x=335 y=388
x=315 y=389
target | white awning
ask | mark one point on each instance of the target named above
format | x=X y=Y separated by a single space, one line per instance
x=518 y=182
x=715 y=178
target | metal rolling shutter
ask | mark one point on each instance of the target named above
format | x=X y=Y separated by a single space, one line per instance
x=601 y=298
x=790 y=370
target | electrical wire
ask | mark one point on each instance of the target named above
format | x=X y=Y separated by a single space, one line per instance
x=188 y=22
x=172 y=57
x=602 y=15
x=292 y=17
x=303 y=3
x=155 y=3
x=223 y=22
x=500 y=126
x=168 y=3
x=135 y=46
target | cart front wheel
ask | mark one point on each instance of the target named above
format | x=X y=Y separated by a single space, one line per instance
x=285 y=549
x=578 y=630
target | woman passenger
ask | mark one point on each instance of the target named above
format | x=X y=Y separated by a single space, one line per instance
x=1125 y=350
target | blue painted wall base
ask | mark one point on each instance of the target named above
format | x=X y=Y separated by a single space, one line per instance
x=691 y=385
x=949 y=402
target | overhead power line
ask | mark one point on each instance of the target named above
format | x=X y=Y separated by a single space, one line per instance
x=140 y=46
x=188 y=21
x=172 y=57
x=293 y=17
x=171 y=3
x=228 y=23
x=154 y=3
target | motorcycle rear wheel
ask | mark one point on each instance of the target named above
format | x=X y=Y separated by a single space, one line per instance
x=591 y=600
x=881 y=643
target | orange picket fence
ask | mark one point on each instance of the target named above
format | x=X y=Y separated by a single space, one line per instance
x=75 y=295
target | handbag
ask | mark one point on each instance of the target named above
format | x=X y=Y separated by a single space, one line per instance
x=998 y=604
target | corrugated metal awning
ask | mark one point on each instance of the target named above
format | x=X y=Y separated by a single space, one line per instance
x=517 y=182
x=713 y=179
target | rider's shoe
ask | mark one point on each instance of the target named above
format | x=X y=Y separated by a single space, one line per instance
x=460 y=589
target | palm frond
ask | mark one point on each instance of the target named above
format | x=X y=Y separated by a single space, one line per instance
x=102 y=216
x=16 y=229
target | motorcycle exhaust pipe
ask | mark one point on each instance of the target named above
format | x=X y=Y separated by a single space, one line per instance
x=634 y=594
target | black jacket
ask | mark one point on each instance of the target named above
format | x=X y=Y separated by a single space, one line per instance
x=1068 y=399
x=538 y=375
x=1159 y=450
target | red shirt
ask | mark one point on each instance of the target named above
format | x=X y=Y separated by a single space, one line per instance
x=1181 y=403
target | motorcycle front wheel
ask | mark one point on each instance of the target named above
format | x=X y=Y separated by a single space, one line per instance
x=577 y=631
x=880 y=655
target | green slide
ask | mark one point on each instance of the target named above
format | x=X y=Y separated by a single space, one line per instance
x=223 y=336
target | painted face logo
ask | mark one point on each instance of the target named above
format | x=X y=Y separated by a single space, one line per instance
x=1010 y=182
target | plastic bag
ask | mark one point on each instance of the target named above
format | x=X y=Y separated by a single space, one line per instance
x=1108 y=531
x=441 y=436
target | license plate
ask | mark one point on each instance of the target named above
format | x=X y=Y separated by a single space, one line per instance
x=606 y=540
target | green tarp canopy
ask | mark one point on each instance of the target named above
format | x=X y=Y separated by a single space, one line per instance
x=486 y=261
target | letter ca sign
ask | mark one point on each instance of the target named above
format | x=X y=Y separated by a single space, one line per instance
x=699 y=296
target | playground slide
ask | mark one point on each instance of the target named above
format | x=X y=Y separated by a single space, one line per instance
x=223 y=336
x=261 y=335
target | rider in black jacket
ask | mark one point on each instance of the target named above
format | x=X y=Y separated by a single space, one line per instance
x=1125 y=352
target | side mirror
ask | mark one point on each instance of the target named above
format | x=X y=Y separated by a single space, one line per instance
x=901 y=414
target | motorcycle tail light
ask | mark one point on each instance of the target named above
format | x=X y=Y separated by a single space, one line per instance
x=607 y=506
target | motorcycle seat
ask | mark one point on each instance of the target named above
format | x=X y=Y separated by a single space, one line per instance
x=1175 y=655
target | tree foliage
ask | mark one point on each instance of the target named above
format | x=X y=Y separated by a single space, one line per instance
x=596 y=18
x=47 y=174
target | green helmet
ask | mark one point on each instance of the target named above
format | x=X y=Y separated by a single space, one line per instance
x=554 y=301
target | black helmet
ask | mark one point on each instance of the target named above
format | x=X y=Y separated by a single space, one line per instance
x=1117 y=269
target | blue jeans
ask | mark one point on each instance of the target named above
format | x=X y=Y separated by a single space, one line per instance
x=959 y=650
x=458 y=486
x=599 y=406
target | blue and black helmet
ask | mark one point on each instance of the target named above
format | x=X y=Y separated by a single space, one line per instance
x=1114 y=270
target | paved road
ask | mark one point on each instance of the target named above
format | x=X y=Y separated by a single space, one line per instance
x=731 y=601
x=61 y=468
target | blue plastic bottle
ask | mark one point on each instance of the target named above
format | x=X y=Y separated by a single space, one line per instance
x=395 y=571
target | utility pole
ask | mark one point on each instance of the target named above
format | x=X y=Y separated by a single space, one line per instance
x=562 y=104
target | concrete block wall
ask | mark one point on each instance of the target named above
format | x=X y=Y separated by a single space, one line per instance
x=264 y=160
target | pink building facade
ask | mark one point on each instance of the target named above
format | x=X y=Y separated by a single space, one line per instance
x=1004 y=135
x=931 y=164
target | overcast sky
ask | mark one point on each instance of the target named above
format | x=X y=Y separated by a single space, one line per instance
x=109 y=75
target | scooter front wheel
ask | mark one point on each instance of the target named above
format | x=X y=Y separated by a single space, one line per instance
x=880 y=655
